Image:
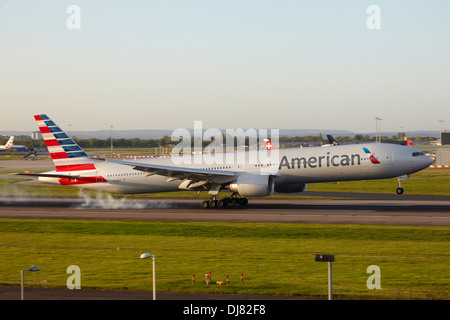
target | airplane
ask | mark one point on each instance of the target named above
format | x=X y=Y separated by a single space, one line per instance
x=268 y=145
x=289 y=172
x=408 y=142
x=9 y=145
x=331 y=141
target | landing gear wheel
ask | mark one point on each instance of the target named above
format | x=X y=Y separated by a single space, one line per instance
x=401 y=181
x=216 y=202
x=205 y=204
x=237 y=200
x=213 y=202
x=242 y=201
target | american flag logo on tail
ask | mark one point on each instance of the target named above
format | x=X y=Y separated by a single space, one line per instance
x=65 y=153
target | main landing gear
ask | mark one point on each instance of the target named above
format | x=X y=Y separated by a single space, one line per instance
x=216 y=202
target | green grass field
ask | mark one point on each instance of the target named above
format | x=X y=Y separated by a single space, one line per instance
x=275 y=259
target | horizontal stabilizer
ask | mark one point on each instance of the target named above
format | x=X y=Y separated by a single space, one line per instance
x=48 y=175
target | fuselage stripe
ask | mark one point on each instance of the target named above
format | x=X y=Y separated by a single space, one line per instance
x=76 y=167
x=82 y=180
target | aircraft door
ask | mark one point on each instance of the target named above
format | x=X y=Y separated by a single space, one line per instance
x=389 y=157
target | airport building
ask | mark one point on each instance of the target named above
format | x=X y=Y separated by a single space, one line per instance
x=445 y=138
x=442 y=157
x=36 y=135
x=443 y=153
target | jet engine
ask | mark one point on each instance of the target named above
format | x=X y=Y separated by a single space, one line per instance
x=253 y=185
x=290 y=188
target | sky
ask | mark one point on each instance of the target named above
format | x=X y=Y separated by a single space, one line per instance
x=229 y=63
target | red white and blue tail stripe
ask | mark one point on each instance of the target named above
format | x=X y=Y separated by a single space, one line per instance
x=66 y=154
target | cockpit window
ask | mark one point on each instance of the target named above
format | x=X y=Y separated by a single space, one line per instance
x=417 y=154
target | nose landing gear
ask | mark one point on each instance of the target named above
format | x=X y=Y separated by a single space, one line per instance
x=400 y=190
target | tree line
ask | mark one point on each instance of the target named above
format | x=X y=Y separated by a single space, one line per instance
x=167 y=142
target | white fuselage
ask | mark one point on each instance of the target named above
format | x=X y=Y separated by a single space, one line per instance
x=291 y=166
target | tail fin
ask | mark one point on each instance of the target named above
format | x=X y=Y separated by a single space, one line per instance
x=65 y=153
x=268 y=144
x=10 y=142
x=332 y=140
x=408 y=141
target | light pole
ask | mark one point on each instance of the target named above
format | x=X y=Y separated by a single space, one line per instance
x=378 y=129
x=145 y=256
x=112 y=137
x=327 y=258
x=22 y=272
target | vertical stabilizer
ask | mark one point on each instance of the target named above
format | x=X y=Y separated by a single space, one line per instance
x=10 y=142
x=65 y=153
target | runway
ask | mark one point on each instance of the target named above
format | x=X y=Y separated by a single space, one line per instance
x=346 y=211
x=321 y=207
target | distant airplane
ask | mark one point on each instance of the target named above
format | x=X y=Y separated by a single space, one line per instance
x=9 y=145
x=268 y=144
x=408 y=142
x=289 y=172
x=331 y=141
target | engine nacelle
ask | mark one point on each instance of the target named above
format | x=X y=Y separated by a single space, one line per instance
x=291 y=188
x=253 y=185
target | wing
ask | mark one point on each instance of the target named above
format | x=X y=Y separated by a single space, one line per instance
x=192 y=178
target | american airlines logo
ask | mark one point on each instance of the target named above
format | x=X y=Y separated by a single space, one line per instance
x=371 y=157
x=328 y=160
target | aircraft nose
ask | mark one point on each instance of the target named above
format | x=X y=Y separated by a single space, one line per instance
x=428 y=162
x=424 y=162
